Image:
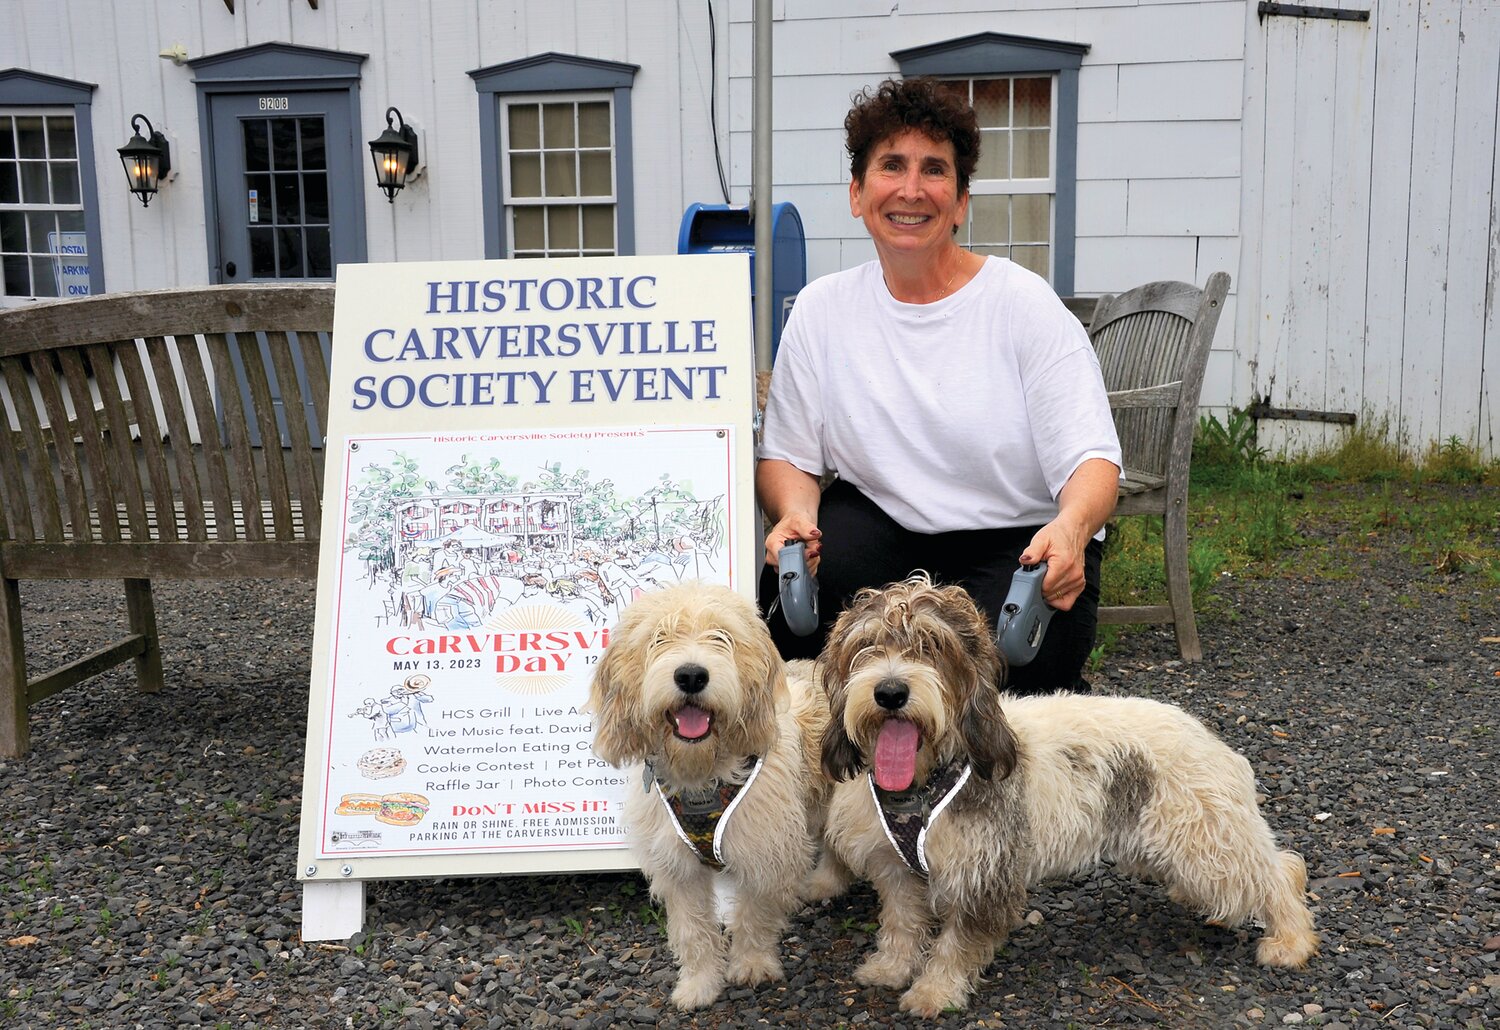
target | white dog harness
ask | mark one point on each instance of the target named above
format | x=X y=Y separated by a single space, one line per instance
x=907 y=815
x=699 y=817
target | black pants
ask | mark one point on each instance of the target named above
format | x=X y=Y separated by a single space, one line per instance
x=864 y=547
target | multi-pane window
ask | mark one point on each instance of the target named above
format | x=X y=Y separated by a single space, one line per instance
x=286 y=198
x=43 y=248
x=1014 y=187
x=560 y=175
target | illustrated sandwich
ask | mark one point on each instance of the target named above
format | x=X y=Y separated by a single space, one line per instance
x=358 y=804
x=402 y=809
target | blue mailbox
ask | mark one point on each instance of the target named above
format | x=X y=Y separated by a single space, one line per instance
x=720 y=229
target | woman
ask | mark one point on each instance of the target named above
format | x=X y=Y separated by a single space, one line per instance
x=956 y=401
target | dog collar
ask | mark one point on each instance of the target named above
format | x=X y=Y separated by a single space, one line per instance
x=906 y=815
x=699 y=817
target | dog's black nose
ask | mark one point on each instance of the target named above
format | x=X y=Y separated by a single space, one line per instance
x=690 y=678
x=891 y=694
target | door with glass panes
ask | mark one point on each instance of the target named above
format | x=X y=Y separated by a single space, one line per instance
x=282 y=168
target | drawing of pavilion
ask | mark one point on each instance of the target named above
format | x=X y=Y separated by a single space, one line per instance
x=533 y=520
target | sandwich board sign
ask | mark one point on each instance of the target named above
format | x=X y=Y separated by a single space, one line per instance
x=516 y=450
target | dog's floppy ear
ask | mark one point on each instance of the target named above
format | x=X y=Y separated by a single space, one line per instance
x=841 y=757
x=759 y=662
x=614 y=695
x=986 y=736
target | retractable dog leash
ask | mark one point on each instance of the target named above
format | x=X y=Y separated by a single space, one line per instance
x=799 y=591
x=1024 y=616
x=1023 y=621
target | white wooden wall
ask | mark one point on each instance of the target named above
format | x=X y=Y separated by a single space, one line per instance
x=1160 y=100
x=420 y=52
x=1343 y=174
x=1371 y=232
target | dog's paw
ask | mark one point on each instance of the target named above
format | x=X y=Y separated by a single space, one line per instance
x=1288 y=951
x=751 y=969
x=696 y=990
x=884 y=970
x=929 y=998
x=824 y=882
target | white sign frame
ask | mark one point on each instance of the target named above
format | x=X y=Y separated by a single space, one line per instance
x=570 y=361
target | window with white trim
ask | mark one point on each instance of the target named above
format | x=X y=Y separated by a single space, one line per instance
x=560 y=183
x=42 y=217
x=1014 y=187
x=1024 y=194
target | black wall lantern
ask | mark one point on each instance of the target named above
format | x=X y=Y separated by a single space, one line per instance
x=395 y=154
x=146 y=160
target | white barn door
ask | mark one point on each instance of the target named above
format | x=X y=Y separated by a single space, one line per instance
x=1369 y=223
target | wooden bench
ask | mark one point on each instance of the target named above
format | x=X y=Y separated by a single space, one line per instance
x=164 y=435
x=1153 y=344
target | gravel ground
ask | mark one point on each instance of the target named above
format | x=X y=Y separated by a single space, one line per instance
x=147 y=852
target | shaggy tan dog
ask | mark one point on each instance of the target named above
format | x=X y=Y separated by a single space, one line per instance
x=691 y=692
x=981 y=804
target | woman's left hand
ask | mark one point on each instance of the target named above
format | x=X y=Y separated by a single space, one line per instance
x=1086 y=501
x=1061 y=547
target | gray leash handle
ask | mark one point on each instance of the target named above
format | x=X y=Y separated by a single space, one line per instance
x=799 y=591
x=1024 y=615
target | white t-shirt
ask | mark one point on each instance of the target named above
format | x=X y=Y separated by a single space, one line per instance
x=967 y=413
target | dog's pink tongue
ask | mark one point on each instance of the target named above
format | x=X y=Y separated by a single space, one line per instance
x=896 y=754
x=692 y=722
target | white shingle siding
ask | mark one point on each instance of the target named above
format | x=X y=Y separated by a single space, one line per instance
x=1343 y=174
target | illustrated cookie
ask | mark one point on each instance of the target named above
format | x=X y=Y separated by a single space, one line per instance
x=381 y=763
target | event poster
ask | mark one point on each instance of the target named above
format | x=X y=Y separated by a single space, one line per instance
x=470 y=619
x=504 y=476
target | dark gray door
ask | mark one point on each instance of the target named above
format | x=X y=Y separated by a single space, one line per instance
x=282 y=164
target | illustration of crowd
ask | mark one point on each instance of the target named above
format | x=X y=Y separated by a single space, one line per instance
x=456 y=587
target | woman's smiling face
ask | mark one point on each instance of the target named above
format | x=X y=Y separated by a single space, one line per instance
x=908 y=196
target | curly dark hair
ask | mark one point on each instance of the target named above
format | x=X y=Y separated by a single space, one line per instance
x=924 y=104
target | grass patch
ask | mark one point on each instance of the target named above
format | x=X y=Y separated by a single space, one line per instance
x=1250 y=515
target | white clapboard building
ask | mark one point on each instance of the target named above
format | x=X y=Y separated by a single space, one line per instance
x=1339 y=161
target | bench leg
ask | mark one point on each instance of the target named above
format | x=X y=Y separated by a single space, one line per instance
x=1179 y=583
x=142 y=611
x=15 y=731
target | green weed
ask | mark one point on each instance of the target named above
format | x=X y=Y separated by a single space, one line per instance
x=1251 y=515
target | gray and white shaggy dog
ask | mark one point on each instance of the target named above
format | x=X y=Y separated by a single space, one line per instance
x=955 y=798
x=722 y=739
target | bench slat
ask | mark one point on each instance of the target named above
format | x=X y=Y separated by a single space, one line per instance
x=315 y=364
x=101 y=488
x=208 y=429
x=205 y=309
x=274 y=466
x=296 y=424
x=152 y=454
x=16 y=522
x=157 y=559
x=64 y=449
x=117 y=423
x=178 y=435
x=42 y=492
x=244 y=487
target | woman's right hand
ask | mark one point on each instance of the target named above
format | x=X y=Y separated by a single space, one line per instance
x=790 y=529
x=790 y=496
